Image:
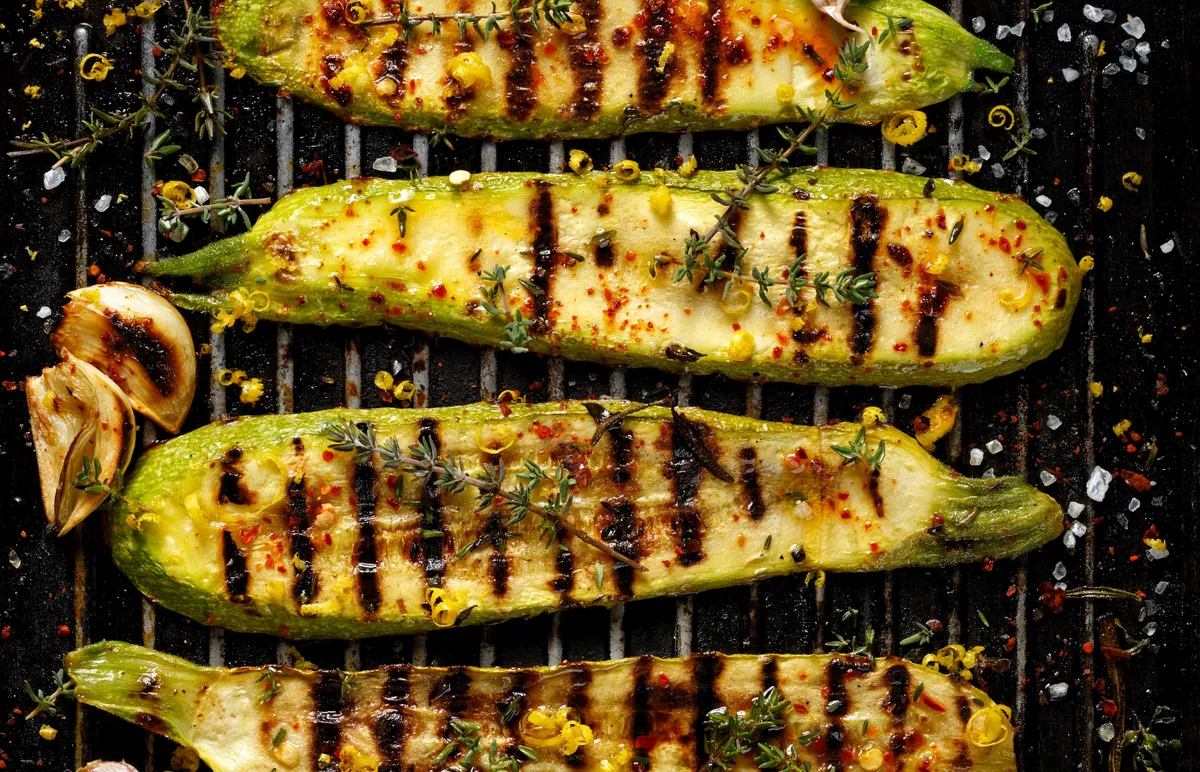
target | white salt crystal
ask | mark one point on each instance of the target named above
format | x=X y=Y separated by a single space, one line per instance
x=1142 y=49
x=1047 y=478
x=1057 y=691
x=1161 y=587
x=1017 y=29
x=989 y=474
x=1060 y=585
x=1064 y=33
x=103 y=203
x=1038 y=133
x=44 y=312
x=1128 y=63
x=1048 y=15
x=1078 y=528
x=1151 y=628
x=1135 y=504
x=976 y=457
x=1157 y=554
x=905 y=401
x=1167 y=247
x=1054 y=422
x=1142 y=78
x=997 y=170
x=1074 y=509
x=1002 y=31
x=994 y=446
x=1112 y=68
x=1069 y=540
x=1141 y=133
x=384 y=164
x=1051 y=216
x=984 y=153
x=1060 y=571
x=14 y=559
x=1097 y=484
x=1044 y=200
x=202 y=196
x=1070 y=74
x=1109 y=16
x=1135 y=27
x=1106 y=732
x=64 y=236
x=53 y=178
x=911 y=167
x=978 y=23
x=1092 y=13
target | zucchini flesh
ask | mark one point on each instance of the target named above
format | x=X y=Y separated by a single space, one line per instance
x=259 y=526
x=652 y=709
x=625 y=66
x=580 y=250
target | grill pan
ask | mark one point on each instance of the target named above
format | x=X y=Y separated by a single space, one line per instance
x=61 y=593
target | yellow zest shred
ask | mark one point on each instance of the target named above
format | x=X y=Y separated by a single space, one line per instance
x=871 y=416
x=146 y=9
x=579 y=162
x=627 y=171
x=1014 y=302
x=356 y=12
x=1131 y=180
x=47 y=732
x=741 y=346
x=384 y=380
x=509 y=395
x=179 y=193
x=445 y=606
x=1001 y=116
x=562 y=730
x=618 y=761
x=298 y=660
x=990 y=725
x=494 y=439
x=353 y=760
x=243 y=306
x=228 y=377
x=963 y=163
x=468 y=68
x=1155 y=544
x=1087 y=263
x=660 y=201
x=33 y=92
x=252 y=390
x=689 y=166
x=935 y=263
x=94 y=67
x=405 y=391
x=737 y=301
x=816 y=577
x=1122 y=427
x=665 y=57
x=785 y=92
x=1104 y=204
x=955 y=659
x=940 y=417
x=1096 y=388
x=114 y=19
x=905 y=127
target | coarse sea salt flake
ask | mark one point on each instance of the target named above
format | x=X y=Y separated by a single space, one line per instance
x=1070 y=74
x=1161 y=587
x=1017 y=29
x=1135 y=504
x=976 y=457
x=994 y=446
x=1074 y=509
x=103 y=203
x=53 y=178
x=1044 y=200
x=1057 y=691
x=44 y=312
x=1054 y=422
x=1069 y=540
x=1097 y=484
x=978 y=23
x=1128 y=63
x=912 y=167
x=1167 y=247
x=1002 y=31
x=989 y=474
x=1047 y=478
x=64 y=236
x=1157 y=554
x=1060 y=571
x=984 y=153
x=1106 y=732
x=1064 y=33
x=384 y=164
x=1092 y=13
x=1078 y=528
x=1135 y=26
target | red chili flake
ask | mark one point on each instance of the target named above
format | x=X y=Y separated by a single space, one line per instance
x=1020 y=225
x=988 y=564
x=6 y=632
x=327 y=456
x=932 y=703
x=1088 y=647
x=438 y=291
x=248 y=535
x=1108 y=706
x=646 y=742
x=400 y=247
x=283 y=631
x=901 y=347
x=63 y=631
x=543 y=431
x=663 y=680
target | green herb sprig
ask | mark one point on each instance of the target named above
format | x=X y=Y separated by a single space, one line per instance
x=856 y=452
x=516 y=17
x=220 y=213
x=48 y=703
x=495 y=303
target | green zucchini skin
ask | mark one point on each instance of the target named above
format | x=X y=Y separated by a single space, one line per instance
x=397 y=717
x=335 y=255
x=609 y=77
x=260 y=527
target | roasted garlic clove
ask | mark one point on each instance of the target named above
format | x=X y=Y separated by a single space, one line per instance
x=138 y=339
x=77 y=412
x=835 y=9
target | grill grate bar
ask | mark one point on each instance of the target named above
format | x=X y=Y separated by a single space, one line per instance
x=420 y=365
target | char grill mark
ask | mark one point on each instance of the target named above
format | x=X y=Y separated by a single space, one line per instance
x=328 y=709
x=933 y=304
x=564 y=563
x=391 y=730
x=620 y=528
x=867 y=220
x=770 y=673
x=586 y=57
x=798 y=241
x=231 y=490
x=431 y=549
x=366 y=568
x=458 y=97
x=545 y=249
x=140 y=340
x=237 y=575
x=652 y=84
x=499 y=561
x=393 y=64
x=450 y=693
x=896 y=678
x=838 y=704
x=304 y=584
x=520 y=94
x=710 y=52
x=642 y=725
x=750 y=485
x=577 y=698
x=706 y=668
x=728 y=252
x=876 y=497
x=684 y=471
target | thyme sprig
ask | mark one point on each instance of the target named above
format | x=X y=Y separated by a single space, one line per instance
x=449 y=473
x=1030 y=260
x=699 y=254
x=88 y=479
x=856 y=452
x=553 y=12
x=516 y=327
x=729 y=734
x=921 y=637
x=220 y=213
x=48 y=703
x=191 y=51
x=847 y=286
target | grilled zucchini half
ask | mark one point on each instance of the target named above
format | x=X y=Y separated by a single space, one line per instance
x=257 y=524
x=618 y=67
x=649 y=712
x=970 y=284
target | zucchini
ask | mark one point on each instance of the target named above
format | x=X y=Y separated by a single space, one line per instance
x=970 y=284
x=618 y=67
x=257 y=524
x=649 y=712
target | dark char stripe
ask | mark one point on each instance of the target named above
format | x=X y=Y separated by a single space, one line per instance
x=237 y=576
x=838 y=705
x=451 y=692
x=684 y=470
x=705 y=670
x=754 y=502
x=727 y=254
x=652 y=84
x=622 y=443
x=897 y=701
x=587 y=62
x=619 y=526
x=876 y=498
x=642 y=724
x=545 y=247
x=710 y=52
x=141 y=339
x=432 y=546
x=770 y=673
x=393 y=64
x=366 y=567
x=499 y=561
x=867 y=219
x=564 y=563
x=328 y=707
x=523 y=682
x=798 y=241
x=520 y=95
x=304 y=583
x=933 y=304
x=231 y=490
x=391 y=729
x=577 y=698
